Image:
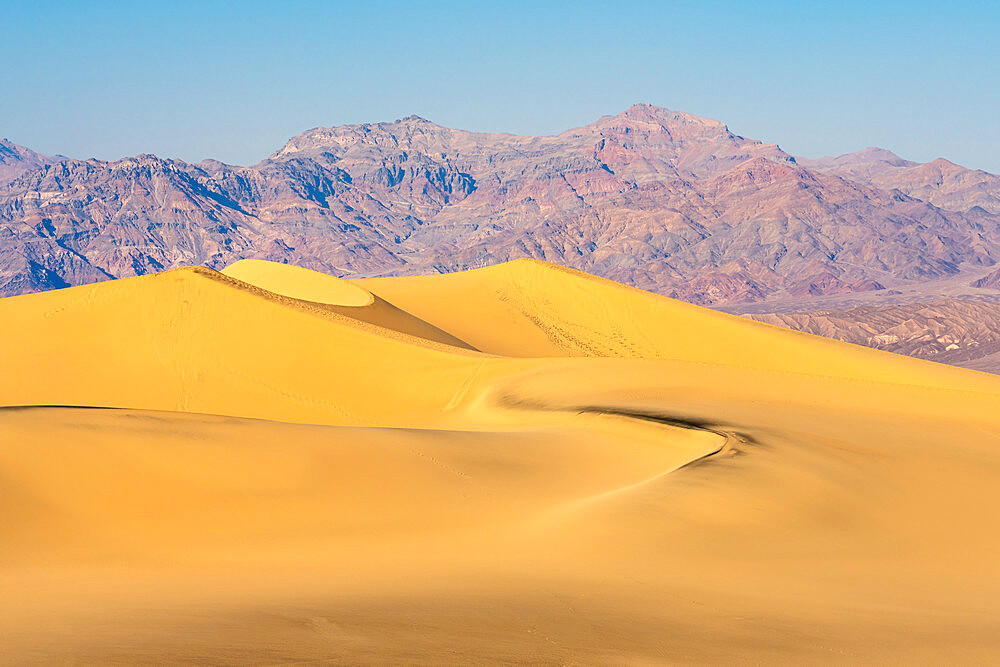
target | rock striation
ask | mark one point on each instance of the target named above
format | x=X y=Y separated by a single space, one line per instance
x=989 y=281
x=656 y=198
x=963 y=332
x=939 y=182
x=15 y=160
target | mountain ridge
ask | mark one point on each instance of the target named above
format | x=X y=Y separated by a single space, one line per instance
x=15 y=160
x=660 y=199
x=939 y=181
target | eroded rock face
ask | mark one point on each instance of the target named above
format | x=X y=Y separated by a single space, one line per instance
x=965 y=332
x=15 y=160
x=989 y=281
x=939 y=181
x=656 y=198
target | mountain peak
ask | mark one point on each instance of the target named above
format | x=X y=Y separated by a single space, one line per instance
x=649 y=119
x=660 y=198
x=9 y=148
x=16 y=159
x=337 y=137
x=646 y=111
x=871 y=154
x=943 y=163
x=876 y=153
x=864 y=161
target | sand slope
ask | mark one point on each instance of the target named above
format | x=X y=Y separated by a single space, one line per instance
x=519 y=463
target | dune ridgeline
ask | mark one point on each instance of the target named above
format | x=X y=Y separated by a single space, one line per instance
x=518 y=463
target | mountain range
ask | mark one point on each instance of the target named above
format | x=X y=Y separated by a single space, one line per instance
x=663 y=200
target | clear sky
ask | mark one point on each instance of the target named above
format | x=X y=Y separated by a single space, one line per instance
x=234 y=80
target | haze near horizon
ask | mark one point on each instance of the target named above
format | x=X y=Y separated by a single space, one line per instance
x=234 y=82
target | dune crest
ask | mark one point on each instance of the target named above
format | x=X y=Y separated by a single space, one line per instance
x=520 y=463
x=298 y=283
x=336 y=295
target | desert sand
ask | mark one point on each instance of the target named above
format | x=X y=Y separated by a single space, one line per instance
x=520 y=463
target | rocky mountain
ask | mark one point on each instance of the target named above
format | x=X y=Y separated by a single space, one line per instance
x=939 y=182
x=989 y=281
x=657 y=198
x=15 y=160
x=964 y=332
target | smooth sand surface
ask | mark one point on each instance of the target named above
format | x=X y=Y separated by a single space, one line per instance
x=298 y=283
x=515 y=464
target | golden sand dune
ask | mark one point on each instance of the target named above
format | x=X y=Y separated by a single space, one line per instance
x=334 y=294
x=520 y=463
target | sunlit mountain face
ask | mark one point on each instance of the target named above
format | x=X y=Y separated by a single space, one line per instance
x=651 y=197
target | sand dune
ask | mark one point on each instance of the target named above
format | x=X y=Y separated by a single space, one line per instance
x=518 y=463
x=336 y=295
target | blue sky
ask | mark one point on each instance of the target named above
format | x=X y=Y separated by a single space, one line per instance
x=234 y=80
